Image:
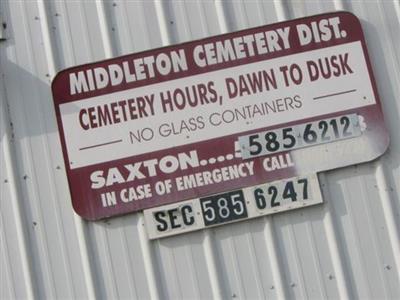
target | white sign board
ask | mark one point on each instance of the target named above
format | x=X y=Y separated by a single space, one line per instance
x=218 y=115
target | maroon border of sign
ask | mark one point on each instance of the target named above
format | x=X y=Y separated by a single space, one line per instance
x=82 y=196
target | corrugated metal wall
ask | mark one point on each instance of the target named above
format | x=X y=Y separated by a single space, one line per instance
x=349 y=247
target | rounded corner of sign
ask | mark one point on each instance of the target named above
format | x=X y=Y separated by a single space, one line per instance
x=351 y=15
x=56 y=77
x=382 y=150
x=55 y=81
x=83 y=214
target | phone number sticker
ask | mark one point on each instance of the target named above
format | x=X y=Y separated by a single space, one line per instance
x=300 y=136
x=233 y=206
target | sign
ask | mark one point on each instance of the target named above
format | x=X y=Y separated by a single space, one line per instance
x=218 y=115
x=233 y=206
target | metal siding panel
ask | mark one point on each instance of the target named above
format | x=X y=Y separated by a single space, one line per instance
x=237 y=253
x=353 y=225
x=346 y=248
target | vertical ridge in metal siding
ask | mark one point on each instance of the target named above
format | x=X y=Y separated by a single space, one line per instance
x=190 y=258
x=259 y=292
x=322 y=292
x=133 y=288
x=388 y=209
x=209 y=247
x=396 y=5
x=188 y=284
x=202 y=17
x=351 y=209
x=274 y=258
x=382 y=182
x=57 y=217
x=50 y=60
x=281 y=10
x=209 y=253
x=108 y=53
x=209 y=256
x=333 y=241
x=28 y=187
x=162 y=22
x=79 y=224
x=291 y=260
x=339 y=4
x=329 y=225
x=104 y=30
x=15 y=196
x=222 y=19
x=149 y=266
x=354 y=250
x=149 y=260
x=7 y=289
x=145 y=244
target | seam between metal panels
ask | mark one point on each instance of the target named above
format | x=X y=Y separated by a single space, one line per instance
x=273 y=256
x=209 y=247
x=7 y=270
x=281 y=10
x=51 y=67
x=203 y=18
x=252 y=258
x=261 y=13
x=22 y=238
x=127 y=27
x=208 y=244
x=270 y=240
x=129 y=270
x=173 y=266
x=184 y=13
x=145 y=28
x=209 y=253
x=37 y=207
x=339 y=4
x=78 y=225
x=243 y=15
x=148 y=258
x=393 y=231
x=372 y=229
x=359 y=257
x=69 y=44
x=191 y=259
x=316 y=257
x=235 y=266
x=396 y=4
x=382 y=182
x=104 y=32
x=86 y=28
x=108 y=51
x=333 y=245
x=221 y=17
x=144 y=242
x=297 y=265
x=162 y=22
x=26 y=147
x=108 y=262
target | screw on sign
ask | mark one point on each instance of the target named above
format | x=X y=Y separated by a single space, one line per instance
x=163 y=126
